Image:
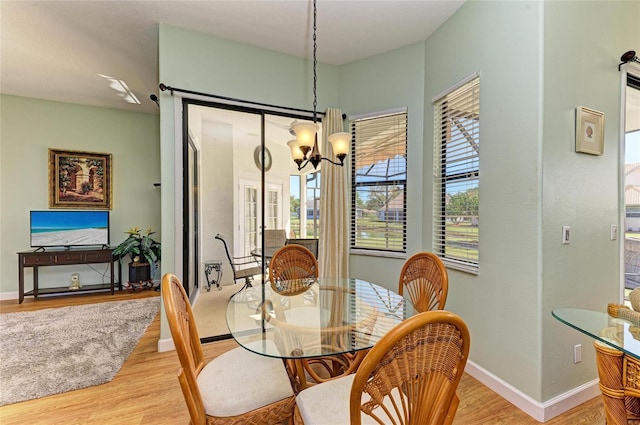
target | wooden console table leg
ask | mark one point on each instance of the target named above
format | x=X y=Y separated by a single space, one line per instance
x=35 y=282
x=113 y=264
x=20 y=283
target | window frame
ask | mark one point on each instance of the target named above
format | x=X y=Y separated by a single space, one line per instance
x=355 y=246
x=466 y=167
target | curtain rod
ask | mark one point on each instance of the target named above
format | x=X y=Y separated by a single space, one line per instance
x=164 y=87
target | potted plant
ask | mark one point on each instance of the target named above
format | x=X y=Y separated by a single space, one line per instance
x=142 y=250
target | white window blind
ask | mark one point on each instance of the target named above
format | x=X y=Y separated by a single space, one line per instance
x=379 y=177
x=456 y=176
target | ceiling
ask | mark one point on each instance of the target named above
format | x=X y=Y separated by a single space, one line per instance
x=90 y=52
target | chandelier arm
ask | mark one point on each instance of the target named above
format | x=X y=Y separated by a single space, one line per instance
x=308 y=161
x=333 y=162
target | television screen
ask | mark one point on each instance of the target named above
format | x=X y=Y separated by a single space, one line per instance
x=69 y=228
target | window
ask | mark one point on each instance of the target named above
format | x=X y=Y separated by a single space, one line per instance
x=379 y=182
x=305 y=205
x=456 y=175
x=313 y=204
x=272 y=220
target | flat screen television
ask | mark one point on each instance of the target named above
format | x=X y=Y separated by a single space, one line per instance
x=69 y=228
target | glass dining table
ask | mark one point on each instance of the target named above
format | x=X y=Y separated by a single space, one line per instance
x=617 y=333
x=320 y=327
x=617 y=347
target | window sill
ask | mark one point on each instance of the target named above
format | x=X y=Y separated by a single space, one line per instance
x=461 y=266
x=373 y=253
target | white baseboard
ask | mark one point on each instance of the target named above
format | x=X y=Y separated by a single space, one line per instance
x=8 y=296
x=541 y=412
x=166 y=345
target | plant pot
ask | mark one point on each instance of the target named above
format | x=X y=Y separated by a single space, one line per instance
x=139 y=272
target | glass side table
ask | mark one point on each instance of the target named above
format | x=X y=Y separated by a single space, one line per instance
x=209 y=267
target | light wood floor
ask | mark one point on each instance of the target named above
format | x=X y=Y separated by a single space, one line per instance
x=146 y=390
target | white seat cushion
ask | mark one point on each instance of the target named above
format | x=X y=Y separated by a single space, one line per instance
x=240 y=381
x=328 y=404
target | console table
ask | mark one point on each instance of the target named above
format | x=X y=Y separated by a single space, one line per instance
x=36 y=259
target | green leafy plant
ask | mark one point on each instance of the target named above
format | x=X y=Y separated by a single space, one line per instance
x=139 y=245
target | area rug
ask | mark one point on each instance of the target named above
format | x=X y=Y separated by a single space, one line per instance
x=57 y=350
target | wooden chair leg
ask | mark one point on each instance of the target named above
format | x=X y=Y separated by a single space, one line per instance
x=453 y=408
x=297 y=419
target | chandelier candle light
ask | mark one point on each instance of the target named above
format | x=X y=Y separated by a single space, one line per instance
x=304 y=149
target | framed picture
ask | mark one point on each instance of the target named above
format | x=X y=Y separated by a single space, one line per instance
x=589 y=131
x=80 y=180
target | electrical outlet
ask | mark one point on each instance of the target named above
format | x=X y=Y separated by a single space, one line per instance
x=577 y=353
x=565 y=234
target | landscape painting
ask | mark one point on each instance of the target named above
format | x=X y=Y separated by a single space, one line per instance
x=79 y=179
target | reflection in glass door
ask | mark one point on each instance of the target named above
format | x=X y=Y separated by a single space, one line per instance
x=248 y=231
x=272 y=220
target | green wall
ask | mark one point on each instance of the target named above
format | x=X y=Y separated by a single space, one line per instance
x=537 y=62
x=482 y=34
x=29 y=128
x=389 y=81
x=582 y=47
x=535 y=69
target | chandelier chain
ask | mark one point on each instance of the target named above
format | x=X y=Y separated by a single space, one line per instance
x=315 y=76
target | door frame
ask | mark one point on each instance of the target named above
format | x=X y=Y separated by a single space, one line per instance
x=633 y=69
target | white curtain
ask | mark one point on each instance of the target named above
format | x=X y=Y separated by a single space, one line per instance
x=333 y=252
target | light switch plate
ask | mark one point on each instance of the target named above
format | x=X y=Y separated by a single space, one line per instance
x=565 y=234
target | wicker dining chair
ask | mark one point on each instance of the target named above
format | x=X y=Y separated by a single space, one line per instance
x=310 y=243
x=426 y=281
x=237 y=387
x=409 y=377
x=292 y=262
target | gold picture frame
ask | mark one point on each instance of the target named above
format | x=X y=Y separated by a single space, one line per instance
x=589 y=131
x=79 y=180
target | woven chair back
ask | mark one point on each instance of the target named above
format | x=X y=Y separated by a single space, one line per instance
x=187 y=342
x=275 y=238
x=292 y=262
x=310 y=243
x=413 y=370
x=425 y=279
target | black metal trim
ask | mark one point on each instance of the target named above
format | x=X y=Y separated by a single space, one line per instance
x=164 y=87
x=207 y=339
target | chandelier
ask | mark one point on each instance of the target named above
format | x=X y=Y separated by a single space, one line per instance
x=304 y=148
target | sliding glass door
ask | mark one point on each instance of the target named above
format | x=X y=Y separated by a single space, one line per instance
x=245 y=168
x=631 y=250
